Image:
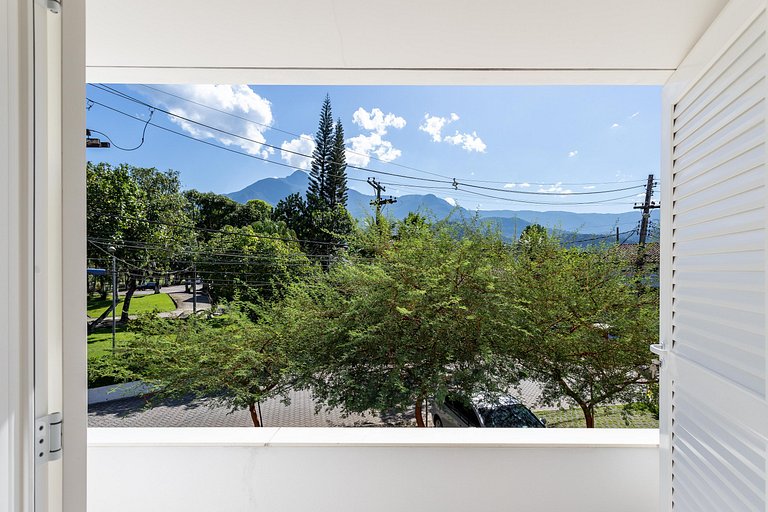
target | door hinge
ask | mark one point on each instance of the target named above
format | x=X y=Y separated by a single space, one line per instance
x=48 y=438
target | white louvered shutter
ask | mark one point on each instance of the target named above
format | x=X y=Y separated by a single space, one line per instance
x=714 y=286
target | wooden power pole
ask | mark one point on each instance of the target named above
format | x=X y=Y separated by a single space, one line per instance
x=647 y=206
x=379 y=202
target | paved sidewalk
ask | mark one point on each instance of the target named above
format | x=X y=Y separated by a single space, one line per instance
x=134 y=412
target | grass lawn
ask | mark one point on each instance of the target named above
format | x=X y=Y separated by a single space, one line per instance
x=100 y=341
x=159 y=302
x=605 y=417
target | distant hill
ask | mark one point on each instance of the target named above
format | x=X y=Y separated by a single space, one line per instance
x=572 y=225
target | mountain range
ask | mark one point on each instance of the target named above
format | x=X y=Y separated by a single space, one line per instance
x=579 y=226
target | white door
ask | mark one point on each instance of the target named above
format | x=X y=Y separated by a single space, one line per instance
x=714 y=410
x=42 y=253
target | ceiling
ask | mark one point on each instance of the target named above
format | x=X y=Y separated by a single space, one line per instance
x=392 y=41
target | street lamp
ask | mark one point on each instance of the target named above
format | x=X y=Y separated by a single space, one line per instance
x=112 y=251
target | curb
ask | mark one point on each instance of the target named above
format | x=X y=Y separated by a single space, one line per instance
x=118 y=392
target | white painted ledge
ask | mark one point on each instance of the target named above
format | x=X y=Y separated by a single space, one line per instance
x=373 y=437
x=372 y=469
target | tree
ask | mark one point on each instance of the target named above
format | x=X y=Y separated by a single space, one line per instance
x=337 y=176
x=589 y=325
x=210 y=211
x=251 y=263
x=293 y=211
x=317 y=191
x=327 y=218
x=421 y=319
x=230 y=360
x=142 y=213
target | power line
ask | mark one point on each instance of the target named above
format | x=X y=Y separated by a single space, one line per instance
x=301 y=136
x=293 y=134
x=143 y=134
x=232 y=233
x=455 y=183
x=132 y=244
x=544 y=203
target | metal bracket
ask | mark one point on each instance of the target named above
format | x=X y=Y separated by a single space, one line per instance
x=48 y=438
x=660 y=349
x=54 y=6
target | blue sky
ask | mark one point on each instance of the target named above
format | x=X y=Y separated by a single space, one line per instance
x=561 y=141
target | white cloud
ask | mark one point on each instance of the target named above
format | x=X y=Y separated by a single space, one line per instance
x=373 y=144
x=304 y=144
x=588 y=187
x=634 y=115
x=525 y=185
x=239 y=100
x=615 y=125
x=469 y=142
x=510 y=185
x=363 y=146
x=376 y=121
x=573 y=153
x=433 y=125
x=557 y=188
x=451 y=201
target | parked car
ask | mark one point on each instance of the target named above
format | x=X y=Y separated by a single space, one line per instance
x=149 y=286
x=506 y=412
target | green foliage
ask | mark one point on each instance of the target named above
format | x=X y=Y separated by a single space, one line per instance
x=142 y=212
x=589 y=323
x=230 y=358
x=293 y=211
x=111 y=369
x=322 y=157
x=263 y=262
x=209 y=211
x=100 y=341
x=424 y=316
x=337 y=176
x=325 y=218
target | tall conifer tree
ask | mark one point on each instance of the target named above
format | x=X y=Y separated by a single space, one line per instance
x=337 y=178
x=321 y=160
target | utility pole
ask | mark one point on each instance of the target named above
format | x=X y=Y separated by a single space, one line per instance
x=194 y=288
x=647 y=206
x=112 y=251
x=378 y=202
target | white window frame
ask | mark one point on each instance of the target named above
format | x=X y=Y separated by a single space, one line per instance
x=15 y=344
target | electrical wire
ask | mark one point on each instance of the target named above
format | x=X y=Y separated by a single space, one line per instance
x=455 y=183
x=143 y=133
x=271 y=127
x=454 y=186
x=306 y=137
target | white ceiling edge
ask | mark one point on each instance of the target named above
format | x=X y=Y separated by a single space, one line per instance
x=393 y=42
x=138 y=75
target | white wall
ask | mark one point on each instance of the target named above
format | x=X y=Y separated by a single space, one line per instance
x=370 y=470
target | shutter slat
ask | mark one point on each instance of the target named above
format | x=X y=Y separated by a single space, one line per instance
x=728 y=61
x=718 y=423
